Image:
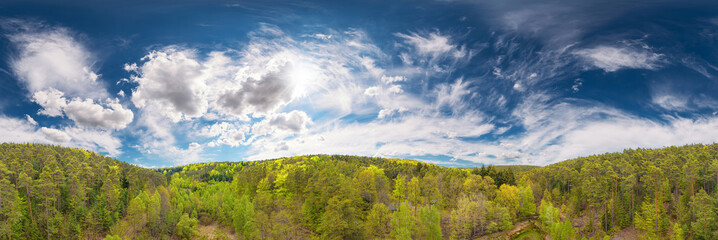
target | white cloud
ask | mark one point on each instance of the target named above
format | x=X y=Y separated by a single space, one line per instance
x=611 y=59
x=51 y=57
x=170 y=79
x=55 y=135
x=292 y=122
x=51 y=100
x=392 y=79
x=395 y=89
x=225 y=133
x=320 y=36
x=260 y=96
x=30 y=120
x=23 y=131
x=177 y=86
x=372 y=91
x=452 y=94
x=54 y=65
x=433 y=44
x=670 y=102
x=83 y=112
x=88 y=113
x=577 y=85
x=411 y=135
x=389 y=112
x=20 y=131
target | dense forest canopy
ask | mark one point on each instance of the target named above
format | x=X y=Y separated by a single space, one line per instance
x=50 y=192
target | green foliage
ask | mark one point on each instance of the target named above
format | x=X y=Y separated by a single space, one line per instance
x=548 y=214
x=244 y=223
x=430 y=224
x=706 y=223
x=403 y=223
x=527 y=206
x=186 y=227
x=677 y=232
x=61 y=193
x=510 y=197
x=377 y=222
x=112 y=237
x=562 y=231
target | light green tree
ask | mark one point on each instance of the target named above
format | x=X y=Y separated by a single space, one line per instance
x=402 y=223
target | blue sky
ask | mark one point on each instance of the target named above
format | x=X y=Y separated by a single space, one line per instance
x=458 y=83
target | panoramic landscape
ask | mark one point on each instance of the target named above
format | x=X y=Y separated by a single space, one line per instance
x=446 y=119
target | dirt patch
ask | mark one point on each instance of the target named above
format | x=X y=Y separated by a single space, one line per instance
x=214 y=232
x=627 y=233
x=509 y=234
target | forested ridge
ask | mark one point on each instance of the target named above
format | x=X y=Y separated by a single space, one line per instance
x=50 y=192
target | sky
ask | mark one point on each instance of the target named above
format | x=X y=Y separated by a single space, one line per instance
x=456 y=83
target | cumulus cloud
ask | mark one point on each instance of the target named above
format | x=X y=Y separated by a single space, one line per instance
x=612 y=59
x=233 y=88
x=88 y=113
x=51 y=57
x=259 y=96
x=225 y=133
x=83 y=112
x=291 y=122
x=51 y=101
x=55 y=135
x=172 y=80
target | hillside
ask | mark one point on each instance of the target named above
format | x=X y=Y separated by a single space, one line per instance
x=664 y=193
x=51 y=192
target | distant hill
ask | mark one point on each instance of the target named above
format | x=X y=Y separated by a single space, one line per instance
x=516 y=168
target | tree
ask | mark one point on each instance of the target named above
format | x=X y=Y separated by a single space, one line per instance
x=244 y=218
x=562 y=231
x=430 y=223
x=137 y=212
x=186 y=227
x=528 y=206
x=466 y=218
x=706 y=220
x=50 y=192
x=335 y=222
x=377 y=221
x=399 y=189
x=677 y=232
x=509 y=196
x=414 y=191
x=548 y=214
x=402 y=223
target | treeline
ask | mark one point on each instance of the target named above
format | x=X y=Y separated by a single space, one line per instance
x=347 y=197
x=669 y=193
x=49 y=192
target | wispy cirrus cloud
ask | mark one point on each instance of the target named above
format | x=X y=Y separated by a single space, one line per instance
x=611 y=59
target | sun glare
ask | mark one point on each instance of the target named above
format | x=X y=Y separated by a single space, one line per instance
x=303 y=75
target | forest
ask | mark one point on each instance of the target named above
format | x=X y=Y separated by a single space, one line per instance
x=52 y=192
